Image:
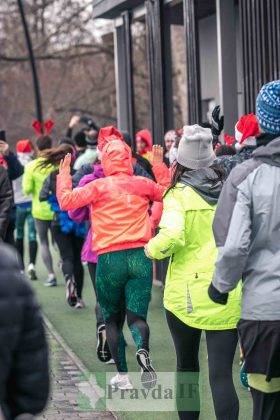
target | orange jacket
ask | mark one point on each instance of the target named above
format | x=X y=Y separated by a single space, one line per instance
x=119 y=203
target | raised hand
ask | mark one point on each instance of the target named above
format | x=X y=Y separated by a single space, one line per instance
x=217 y=121
x=74 y=121
x=157 y=154
x=64 y=167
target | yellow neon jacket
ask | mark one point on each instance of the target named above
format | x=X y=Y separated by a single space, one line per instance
x=32 y=182
x=186 y=236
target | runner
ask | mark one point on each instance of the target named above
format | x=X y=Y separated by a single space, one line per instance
x=249 y=247
x=119 y=205
x=186 y=236
x=68 y=235
x=32 y=182
x=25 y=155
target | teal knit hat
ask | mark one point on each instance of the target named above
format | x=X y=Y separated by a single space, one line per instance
x=268 y=107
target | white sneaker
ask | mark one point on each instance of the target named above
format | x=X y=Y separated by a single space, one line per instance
x=80 y=304
x=121 y=382
x=110 y=362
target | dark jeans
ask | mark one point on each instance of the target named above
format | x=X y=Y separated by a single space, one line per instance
x=266 y=406
x=70 y=247
x=221 y=346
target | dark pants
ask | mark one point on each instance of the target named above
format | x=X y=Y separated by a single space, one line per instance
x=221 y=346
x=266 y=406
x=70 y=247
x=98 y=312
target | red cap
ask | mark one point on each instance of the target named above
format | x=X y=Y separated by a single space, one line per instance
x=24 y=146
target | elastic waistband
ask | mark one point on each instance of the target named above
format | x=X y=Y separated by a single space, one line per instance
x=121 y=247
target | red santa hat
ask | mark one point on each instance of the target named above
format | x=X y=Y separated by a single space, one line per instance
x=24 y=146
x=247 y=129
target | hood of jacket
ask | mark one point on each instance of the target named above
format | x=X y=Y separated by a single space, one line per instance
x=106 y=134
x=269 y=154
x=146 y=137
x=116 y=158
x=201 y=182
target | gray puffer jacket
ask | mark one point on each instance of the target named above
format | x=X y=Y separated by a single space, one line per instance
x=247 y=232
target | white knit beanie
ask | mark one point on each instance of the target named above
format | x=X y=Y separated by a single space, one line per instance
x=195 y=149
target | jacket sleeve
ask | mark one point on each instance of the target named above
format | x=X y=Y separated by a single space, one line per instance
x=6 y=201
x=70 y=199
x=46 y=189
x=232 y=257
x=162 y=174
x=15 y=168
x=155 y=192
x=27 y=181
x=30 y=371
x=171 y=236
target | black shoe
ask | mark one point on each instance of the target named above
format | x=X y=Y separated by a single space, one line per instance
x=71 y=293
x=102 y=348
x=148 y=373
x=31 y=272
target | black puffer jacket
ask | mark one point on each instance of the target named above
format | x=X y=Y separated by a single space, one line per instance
x=6 y=201
x=24 y=370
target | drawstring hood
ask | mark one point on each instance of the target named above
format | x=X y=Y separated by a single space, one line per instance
x=116 y=156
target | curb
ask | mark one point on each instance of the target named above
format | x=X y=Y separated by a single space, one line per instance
x=72 y=356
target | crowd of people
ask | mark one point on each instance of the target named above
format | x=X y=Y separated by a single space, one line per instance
x=116 y=204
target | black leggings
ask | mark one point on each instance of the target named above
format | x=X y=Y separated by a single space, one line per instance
x=221 y=346
x=98 y=312
x=70 y=247
x=266 y=405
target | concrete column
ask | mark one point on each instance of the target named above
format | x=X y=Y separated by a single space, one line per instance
x=227 y=67
x=123 y=74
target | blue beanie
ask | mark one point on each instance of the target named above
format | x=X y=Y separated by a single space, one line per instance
x=268 y=107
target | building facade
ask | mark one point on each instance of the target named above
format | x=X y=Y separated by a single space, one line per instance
x=176 y=59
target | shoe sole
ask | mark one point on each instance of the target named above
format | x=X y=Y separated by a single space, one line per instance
x=71 y=296
x=50 y=285
x=102 y=348
x=148 y=373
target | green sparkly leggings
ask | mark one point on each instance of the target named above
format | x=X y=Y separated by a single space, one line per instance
x=124 y=283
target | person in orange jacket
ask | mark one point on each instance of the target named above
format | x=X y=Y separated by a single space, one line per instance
x=119 y=205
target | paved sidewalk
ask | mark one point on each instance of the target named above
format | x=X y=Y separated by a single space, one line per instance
x=73 y=395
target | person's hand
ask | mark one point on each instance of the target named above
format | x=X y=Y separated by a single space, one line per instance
x=4 y=148
x=74 y=121
x=157 y=154
x=147 y=252
x=64 y=167
x=217 y=121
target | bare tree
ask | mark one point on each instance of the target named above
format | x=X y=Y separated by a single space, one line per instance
x=75 y=65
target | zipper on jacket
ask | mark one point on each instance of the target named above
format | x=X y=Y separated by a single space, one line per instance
x=196 y=275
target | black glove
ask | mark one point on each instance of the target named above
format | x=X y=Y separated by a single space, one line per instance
x=217 y=296
x=217 y=122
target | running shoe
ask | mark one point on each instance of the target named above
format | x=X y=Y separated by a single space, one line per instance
x=31 y=272
x=50 y=282
x=148 y=373
x=80 y=304
x=110 y=362
x=121 y=382
x=102 y=348
x=71 y=293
